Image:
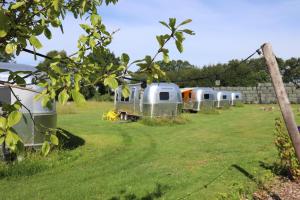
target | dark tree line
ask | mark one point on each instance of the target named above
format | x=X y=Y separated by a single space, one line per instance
x=233 y=73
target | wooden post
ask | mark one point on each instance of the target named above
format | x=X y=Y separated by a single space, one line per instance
x=282 y=97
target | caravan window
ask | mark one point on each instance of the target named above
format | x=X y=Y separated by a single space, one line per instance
x=206 y=96
x=237 y=96
x=190 y=95
x=124 y=99
x=164 y=96
x=224 y=97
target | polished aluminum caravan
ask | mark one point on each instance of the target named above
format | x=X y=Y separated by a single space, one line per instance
x=222 y=99
x=236 y=97
x=32 y=134
x=197 y=99
x=156 y=100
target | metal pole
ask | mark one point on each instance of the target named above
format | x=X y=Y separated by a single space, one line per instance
x=282 y=97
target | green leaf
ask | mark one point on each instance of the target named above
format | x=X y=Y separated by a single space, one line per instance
x=165 y=24
x=179 y=36
x=38 y=29
x=45 y=100
x=35 y=42
x=166 y=58
x=55 y=4
x=11 y=140
x=77 y=97
x=179 y=46
x=55 y=22
x=86 y=27
x=172 y=22
x=54 y=139
x=17 y=5
x=125 y=91
x=10 y=48
x=2 y=139
x=92 y=43
x=95 y=19
x=188 y=31
x=54 y=66
x=185 y=22
x=3 y=122
x=4 y=24
x=14 y=118
x=63 y=97
x=45 y=148
x=111 y=82
x=19 y=80
x=160 y=40
x=77 y=78
x=125 y=59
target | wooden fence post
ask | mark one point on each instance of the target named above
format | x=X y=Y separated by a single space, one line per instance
x=282 y=97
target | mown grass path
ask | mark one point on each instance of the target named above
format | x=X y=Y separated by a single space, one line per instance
x=136 y=161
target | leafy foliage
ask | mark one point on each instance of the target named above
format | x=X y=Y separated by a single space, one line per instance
x=233 y=73
x=286 y=152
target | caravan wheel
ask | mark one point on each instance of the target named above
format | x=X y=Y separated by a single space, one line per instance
x=122 y=116
x=125 y=116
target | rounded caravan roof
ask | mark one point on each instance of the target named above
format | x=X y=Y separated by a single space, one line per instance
x=15 y=67
x=220 y=93
x=203 y=89
x=26 y=94
x=153 y=90
x=198 y=91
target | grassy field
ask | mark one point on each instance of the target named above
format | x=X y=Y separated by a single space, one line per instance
x=211 y=156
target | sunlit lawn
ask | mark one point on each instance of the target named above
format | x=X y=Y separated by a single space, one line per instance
x=209 y=156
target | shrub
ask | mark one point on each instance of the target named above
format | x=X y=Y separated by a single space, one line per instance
x=239 y=104
x=104 y=97
x=164 y=121
x=67 y=109
x=288 y=160
x=209 y=111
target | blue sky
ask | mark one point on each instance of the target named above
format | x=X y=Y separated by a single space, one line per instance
x=224 y=29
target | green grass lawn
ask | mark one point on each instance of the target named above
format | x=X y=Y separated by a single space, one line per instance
x=209 y=156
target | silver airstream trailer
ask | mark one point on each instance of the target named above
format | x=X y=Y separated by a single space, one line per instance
x=156 y=100
x=197 y=99
x=222 y=99
x=31 y=133
x=236 y=97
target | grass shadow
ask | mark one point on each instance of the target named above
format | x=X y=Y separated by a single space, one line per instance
x=157 y=193
x=69 y=141
x=256 y=181
x=276 y=169
x=31 y=162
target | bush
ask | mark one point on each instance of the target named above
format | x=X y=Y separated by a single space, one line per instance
x=164 y=121
x=239 y=104
x=67 y=109
x=209 y=111
x=288 y=160
x=104 y=97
